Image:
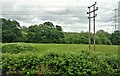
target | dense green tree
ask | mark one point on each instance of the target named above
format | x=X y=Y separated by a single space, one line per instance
x=76 y=38
x=115 y=38
x=83 y=40
x=10 y=30
x=98 y=40
x=71 y=37
x=24 y=37
x=49 y=33
x=104 y=37
x=102 y=33
x=45 y=33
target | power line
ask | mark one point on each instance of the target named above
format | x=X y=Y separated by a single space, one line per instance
x=105 y=8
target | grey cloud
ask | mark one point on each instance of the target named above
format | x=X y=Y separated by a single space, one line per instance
x=69 y=13
x=64 y=16
x=71 y=17
x=75 y=28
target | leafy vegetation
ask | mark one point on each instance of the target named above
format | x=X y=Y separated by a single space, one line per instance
x=82 y=63
x=115 y=38
x=45 y=33
x=17 y=48
x=10 y=30
x=58 y=59
x=50 y=33
x=65 y=59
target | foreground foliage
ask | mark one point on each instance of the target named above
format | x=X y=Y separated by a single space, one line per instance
x=83 y=64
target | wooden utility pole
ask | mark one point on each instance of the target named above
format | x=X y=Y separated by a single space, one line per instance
x=89 y=28
x=94 y=15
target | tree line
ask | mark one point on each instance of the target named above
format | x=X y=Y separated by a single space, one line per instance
x=50 y=33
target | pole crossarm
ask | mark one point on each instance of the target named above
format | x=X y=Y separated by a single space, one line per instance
x=93 y=10
x=93 y=16
x=92 y=5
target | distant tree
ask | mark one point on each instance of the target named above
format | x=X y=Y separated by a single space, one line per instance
x=45 y=33
x=102 y=33
x=104 y=37
x=106 y=41
x=76 y=38
x=115 y=38
x=98 y=40
x=10 y=30
x=83 y=40
x=24 y=37
x=24 y=28
x=84 y=37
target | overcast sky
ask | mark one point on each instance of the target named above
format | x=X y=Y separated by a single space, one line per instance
x=70 y=14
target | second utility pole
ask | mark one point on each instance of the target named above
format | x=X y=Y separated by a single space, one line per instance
x=115 y=18
x=94 y=15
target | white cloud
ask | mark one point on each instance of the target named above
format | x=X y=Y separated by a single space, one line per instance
x=70 y=14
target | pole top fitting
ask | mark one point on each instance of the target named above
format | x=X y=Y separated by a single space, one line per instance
x=96 y=8
x=95 y=2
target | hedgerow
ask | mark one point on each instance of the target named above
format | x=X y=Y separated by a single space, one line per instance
x=52 y=64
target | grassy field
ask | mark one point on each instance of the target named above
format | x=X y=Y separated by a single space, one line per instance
x=53 y=59
x=70 y=48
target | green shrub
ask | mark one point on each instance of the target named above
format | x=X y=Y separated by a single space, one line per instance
x=17 y=48
x=22 y=65
x=83 y=64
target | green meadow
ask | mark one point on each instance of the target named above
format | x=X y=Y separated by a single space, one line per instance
x=31 y=59
x=68 y=48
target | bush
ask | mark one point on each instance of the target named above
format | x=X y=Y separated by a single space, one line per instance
x=17 y=48
x=82 y=64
